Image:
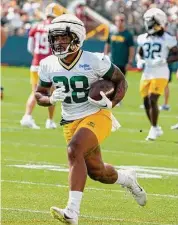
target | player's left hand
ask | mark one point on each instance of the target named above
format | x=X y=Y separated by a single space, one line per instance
x=103 y=103
x=58 y=95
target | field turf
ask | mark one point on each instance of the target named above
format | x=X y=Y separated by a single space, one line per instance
x=34 y=163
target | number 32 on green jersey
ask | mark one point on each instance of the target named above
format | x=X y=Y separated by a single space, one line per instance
x=72 y=83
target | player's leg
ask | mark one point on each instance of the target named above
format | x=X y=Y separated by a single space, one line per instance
x=166 y=97
x=84 y=140
x=107 y=174
x=50 y=124
x=88 y=134
x=81 y=139
x=154 y=111
x=27 y=119
x=166 y=106
x=146 y=103
x=144 y=87
x=156 y=89
x=31 y=101
x=98 y=170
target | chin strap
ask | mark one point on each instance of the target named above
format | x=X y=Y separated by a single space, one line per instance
x=66 y=52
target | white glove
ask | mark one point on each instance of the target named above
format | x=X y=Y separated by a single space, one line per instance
x=103 y=103
x=58 y=95
x=140 y=63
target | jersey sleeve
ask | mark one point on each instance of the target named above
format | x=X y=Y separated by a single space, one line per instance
x=103 y=66
x=44 y=78
x=171 y=41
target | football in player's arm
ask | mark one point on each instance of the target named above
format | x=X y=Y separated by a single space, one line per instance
x=86 y=122
x=156 y=49
x=114 y=74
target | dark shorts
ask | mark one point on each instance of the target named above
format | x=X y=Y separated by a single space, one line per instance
x=123 y=69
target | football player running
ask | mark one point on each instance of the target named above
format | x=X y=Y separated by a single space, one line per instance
x=38 y=46
x=86 y=122
x=152 y=54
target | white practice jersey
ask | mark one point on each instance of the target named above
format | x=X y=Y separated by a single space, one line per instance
x=77 y=78
x=155 y=51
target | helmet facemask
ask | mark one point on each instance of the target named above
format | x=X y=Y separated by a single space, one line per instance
x=63 y=42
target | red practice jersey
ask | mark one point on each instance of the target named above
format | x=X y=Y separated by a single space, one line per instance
x=38 y=38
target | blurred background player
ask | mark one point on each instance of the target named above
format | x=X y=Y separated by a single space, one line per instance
x=153 y=50
x=38 y=46
x=121 y=45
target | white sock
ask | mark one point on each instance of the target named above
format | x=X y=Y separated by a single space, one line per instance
x=26 y=116
x=75 y=198
x=122 y=177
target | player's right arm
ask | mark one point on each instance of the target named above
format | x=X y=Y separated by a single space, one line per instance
x=121 y=85
x=173 y=55
x=42 y=96
x=171 y=43
x=139 y=54
x=30 y=45
x=42 y=93
x=108 y=71
x=31 y=40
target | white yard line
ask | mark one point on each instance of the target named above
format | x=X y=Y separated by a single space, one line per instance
x=100 y=218
x=130 y=113
x=87 y=188
x=103 y=150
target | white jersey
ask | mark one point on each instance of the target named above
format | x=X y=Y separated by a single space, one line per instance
x=77 y=78
x=155 y=51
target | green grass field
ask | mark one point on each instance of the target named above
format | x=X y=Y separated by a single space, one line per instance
x=34 y=163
